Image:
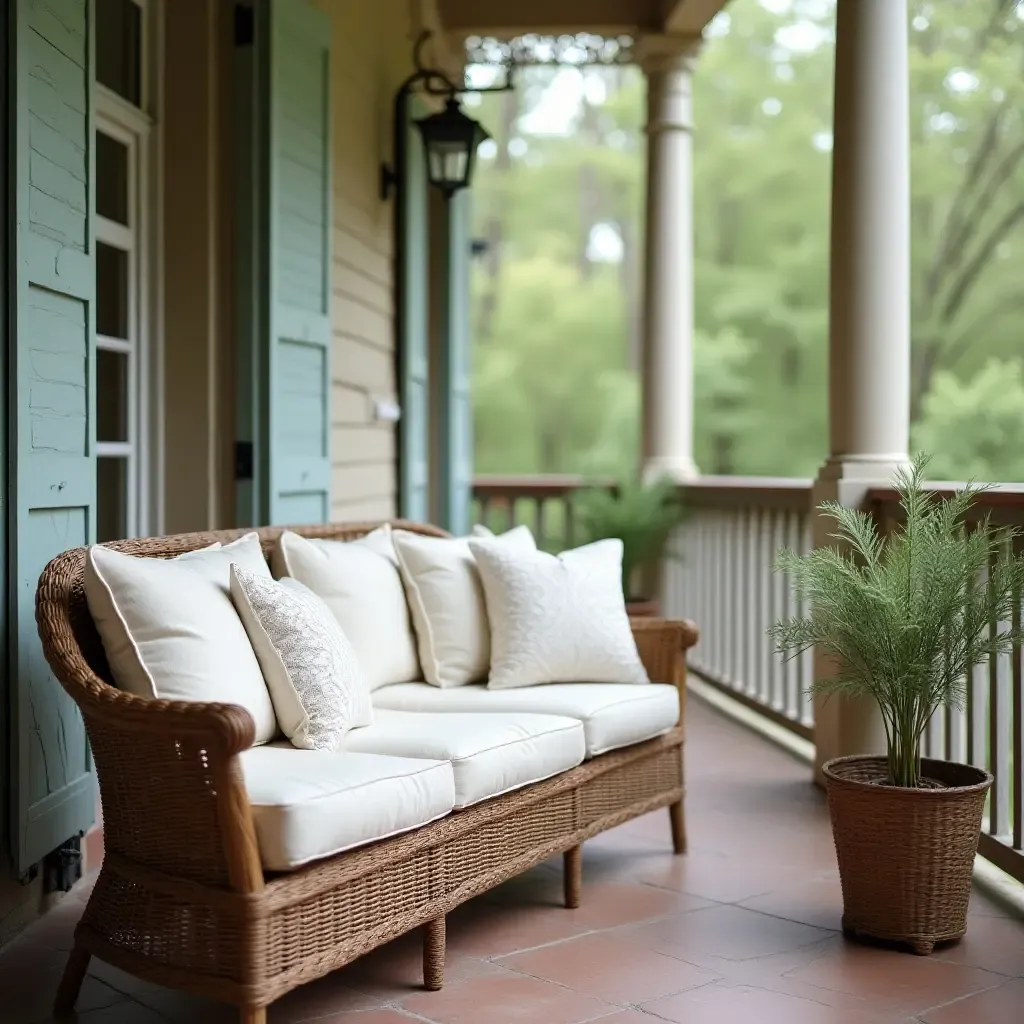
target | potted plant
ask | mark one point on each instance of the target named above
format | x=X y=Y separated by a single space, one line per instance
x=644 y=517
x=905 y=618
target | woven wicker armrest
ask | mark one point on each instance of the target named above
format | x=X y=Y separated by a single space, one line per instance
x=170 y=782
x=663 y=644
x=226 y=728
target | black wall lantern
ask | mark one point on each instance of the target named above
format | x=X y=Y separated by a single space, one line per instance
x=451 y=140
x=450 y=137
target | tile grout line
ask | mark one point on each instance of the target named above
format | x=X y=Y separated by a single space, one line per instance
x=1006 y=979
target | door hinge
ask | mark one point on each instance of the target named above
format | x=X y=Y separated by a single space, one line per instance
x=243 y=460
x=63 y=866
x=244 y=25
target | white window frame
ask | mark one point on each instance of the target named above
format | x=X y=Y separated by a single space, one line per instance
x=134 y=127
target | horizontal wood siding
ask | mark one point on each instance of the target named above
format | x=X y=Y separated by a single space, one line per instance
x=371 y=52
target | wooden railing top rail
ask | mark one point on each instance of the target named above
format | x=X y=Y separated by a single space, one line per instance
x=1004 y=503
x=705 y=488
x=748 y=492
x=998 y=495
x=540 y=486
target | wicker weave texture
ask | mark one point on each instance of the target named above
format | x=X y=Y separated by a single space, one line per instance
x=181 y=898
x=905 y=855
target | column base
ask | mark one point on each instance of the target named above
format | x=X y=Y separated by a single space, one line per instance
x=869 y=470
x=680 y=469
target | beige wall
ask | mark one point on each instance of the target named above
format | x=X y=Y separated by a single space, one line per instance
x=371 y=55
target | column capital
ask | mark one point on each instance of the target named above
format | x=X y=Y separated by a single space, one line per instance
x=668 y=65
x=658 y=54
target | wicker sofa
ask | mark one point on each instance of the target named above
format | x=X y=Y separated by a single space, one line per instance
x=185 y=897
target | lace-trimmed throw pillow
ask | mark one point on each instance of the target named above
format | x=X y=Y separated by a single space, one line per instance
x=557 y=619
x=310 y=667
x=447 y=603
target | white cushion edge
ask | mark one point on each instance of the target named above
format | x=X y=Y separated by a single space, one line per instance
x=577 y=726
x=430 y=766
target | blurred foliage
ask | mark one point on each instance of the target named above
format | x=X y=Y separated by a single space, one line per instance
x=557 y=295
x=642 y=516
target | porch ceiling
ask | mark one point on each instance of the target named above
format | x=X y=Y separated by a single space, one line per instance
x=507 y=18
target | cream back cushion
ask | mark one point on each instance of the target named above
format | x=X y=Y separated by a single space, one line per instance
x=359 y=581
x=447 y=603
x=557 y=619
x=310 y=667
x=170 y=630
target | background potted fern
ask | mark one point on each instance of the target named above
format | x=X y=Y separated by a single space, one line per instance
x=643 y=517
x=905 y=618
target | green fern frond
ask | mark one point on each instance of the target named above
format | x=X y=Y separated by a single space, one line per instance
x=908 y=615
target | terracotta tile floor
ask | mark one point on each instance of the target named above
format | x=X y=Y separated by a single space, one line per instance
x=744 y=928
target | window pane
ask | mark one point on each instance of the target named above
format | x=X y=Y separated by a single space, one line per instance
x=119 y=48
x=111 y=498
x=111 y=396
x=111 y=291
x=111 y=178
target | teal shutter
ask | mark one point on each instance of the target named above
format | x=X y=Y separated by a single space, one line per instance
x=52 y=400
x=411 y=212
x=299 y=344
x=455 y=433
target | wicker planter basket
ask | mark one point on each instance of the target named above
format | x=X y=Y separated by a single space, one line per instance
x=905 y=855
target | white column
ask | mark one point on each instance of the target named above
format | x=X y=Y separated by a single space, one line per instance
x=869 y=300
x=668 y=262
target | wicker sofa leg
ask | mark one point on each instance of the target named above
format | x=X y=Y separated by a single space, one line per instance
x=433 y=955
x=71 y=982
x=572 y=875
x=678 y=827
x=253 y=1015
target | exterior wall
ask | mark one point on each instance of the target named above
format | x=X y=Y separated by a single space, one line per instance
x=371 y=55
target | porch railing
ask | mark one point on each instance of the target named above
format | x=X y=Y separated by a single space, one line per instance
x=723 y=580
x=544 y=503
x=989 y=730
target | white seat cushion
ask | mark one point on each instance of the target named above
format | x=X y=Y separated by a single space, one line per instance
x=613 y=714
x=490 y=753
x=309 y=804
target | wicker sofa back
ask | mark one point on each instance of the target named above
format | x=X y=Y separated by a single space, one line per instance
x=182 y=899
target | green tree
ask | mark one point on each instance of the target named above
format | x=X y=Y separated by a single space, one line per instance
x=541 y=383
x=975 y=428
x=762 y=99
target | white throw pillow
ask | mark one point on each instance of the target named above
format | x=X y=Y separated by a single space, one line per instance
x=447 y=603
x=171 y=631
x=310 y=667
x=557 y=619
x=359 y=581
